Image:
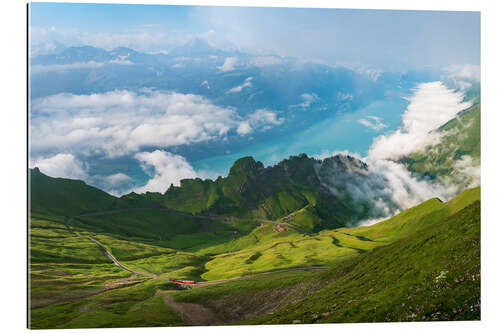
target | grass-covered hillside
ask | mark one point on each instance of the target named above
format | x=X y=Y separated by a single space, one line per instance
x=264 y=250
x=70 y=197
x=429 y=270
x=65 y=197
x=457 y=156
x=316 y=188
x=252 y=191
x=422 y=264
x=433 y=274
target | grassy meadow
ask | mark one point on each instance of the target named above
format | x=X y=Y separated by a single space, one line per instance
x=425 y=249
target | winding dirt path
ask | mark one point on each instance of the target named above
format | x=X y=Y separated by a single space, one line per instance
x=198 y=284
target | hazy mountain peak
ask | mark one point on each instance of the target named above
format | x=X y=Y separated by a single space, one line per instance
x=195 y=47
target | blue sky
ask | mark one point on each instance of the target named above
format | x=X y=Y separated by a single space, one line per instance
x=107 y=17
x=373 y=38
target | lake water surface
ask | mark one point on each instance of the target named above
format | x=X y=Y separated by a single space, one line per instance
x=335 y=133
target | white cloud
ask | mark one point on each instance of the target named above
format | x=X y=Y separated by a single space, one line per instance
x=406 y=191
x=121 y=61
x=469 y=170
x=205 y=83
x=244 y=128
x=308 y=100
x=66 y=67
x=116 y=184
x=60 y=165
x=327 y=153
x=35 y=69
x=431 y=106
x=265 y=116
x=164 y=52
x=373 y=122
x=247 y=83
x=467 y=71
x=264 y=61
x=118 y=179
x=229 y=64
x=369 y=222
x=261 y=118
x=121 y=122
x=165 y=169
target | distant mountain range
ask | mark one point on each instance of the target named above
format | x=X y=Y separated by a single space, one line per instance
x=298 y=94
x=243 y=81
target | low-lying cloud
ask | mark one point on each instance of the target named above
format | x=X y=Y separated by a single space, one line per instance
x=36 y=69
x=432 y=105
x=118 y=123
x=391 y=187
x=246 y=84
x=165 y=169
x=229 y=64
x=60 y=165
x=262 y=118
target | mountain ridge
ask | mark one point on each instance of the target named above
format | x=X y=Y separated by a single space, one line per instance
x=250 y=190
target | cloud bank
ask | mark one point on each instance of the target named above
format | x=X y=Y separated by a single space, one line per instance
x=432 y=105
x=36 y=69
x=118 y=123
x=391 y=186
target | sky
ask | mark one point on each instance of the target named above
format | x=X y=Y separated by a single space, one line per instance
x=388 y=40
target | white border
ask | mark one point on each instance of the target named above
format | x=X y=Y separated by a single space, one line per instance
x=13 y=162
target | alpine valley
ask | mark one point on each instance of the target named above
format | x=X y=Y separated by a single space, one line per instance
x=197 y=165
x=262 y=245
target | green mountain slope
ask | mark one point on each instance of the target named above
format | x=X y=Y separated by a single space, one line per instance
x=457 y=156
x=264 y=250
x=429 y=270
x=405 y=268
x=66 y=197
x=252 y=191
x=416 y=218
x=432 y=274
x=314 y=187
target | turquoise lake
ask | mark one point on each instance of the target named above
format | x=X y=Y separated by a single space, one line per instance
x=335 y=133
